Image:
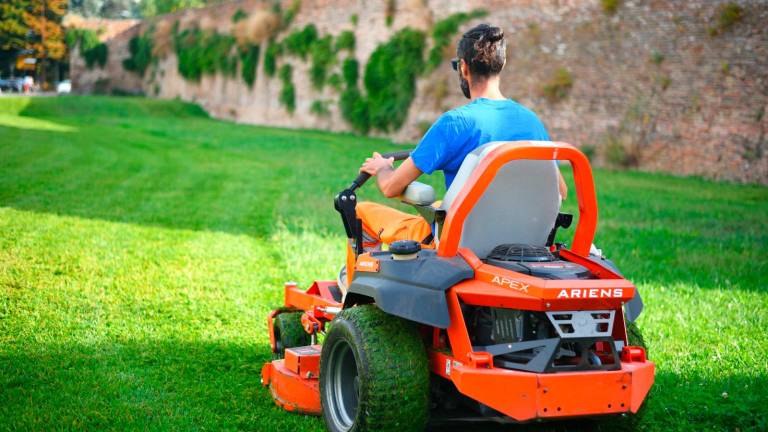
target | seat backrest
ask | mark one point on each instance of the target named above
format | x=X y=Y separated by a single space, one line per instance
x=520 y=205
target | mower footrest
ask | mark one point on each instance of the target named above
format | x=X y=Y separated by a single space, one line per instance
x=293 y=381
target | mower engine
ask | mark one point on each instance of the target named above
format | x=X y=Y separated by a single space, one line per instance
x=535 y=261
x=543 y=342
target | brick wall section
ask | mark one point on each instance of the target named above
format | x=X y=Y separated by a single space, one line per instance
x=649 y=79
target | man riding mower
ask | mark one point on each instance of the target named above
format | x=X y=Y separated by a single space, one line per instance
x=473 y=311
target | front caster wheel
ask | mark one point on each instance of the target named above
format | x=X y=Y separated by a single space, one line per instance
x=289 y=333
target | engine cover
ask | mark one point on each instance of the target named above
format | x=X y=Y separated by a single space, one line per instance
x=535 y=261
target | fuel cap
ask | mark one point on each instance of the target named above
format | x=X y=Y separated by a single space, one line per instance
x=404 y=249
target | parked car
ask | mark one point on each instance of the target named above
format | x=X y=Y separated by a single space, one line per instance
x=64 y=87
x=12 y=85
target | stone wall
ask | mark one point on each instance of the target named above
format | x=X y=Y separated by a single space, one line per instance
x=653 y=85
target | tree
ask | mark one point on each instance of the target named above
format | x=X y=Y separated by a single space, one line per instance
x=13 y=28
x=43 y=18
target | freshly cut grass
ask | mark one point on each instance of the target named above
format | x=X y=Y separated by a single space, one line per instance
x=142 y=245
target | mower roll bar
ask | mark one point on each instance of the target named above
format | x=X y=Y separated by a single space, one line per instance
x=486 y=170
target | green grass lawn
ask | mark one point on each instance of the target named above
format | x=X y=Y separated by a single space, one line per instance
x=142 y=245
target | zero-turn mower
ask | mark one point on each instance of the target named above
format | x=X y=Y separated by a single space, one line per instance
x=498 y=321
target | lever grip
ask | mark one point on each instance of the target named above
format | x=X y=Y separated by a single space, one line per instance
x=363 y=177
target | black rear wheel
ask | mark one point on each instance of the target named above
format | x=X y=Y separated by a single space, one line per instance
x=635 y=336
x=374 y=373
x=288 y=333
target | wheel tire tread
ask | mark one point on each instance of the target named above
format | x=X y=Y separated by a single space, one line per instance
x=396 y=381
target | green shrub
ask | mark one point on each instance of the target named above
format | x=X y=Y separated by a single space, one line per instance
x=323 y=56
x=300 y=42
x=620 y=154
x=249 y=60
x=353 y=19
x=140 y=49
x=270 y=57
x=665 y=82
x=346 y=40
x=589 y=151
x=728 y=14
x=239 y=15
x=96 y=55
x=390 y=78
x=354 y=108
x=320 y=108
x=200 y=53
x=335 y=81
x=657 y=58
x=558 y=87
x=610 y=6
x=350 y=69
x=288 y=92
x=443 y=33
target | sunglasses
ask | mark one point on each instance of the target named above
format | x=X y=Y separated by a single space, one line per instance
x=455 y=64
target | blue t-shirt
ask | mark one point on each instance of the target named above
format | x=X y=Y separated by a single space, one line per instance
x=461 y=130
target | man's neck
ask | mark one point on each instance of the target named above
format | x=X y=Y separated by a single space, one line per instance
x=488 y=89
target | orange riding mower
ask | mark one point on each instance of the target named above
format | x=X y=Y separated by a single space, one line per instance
x=498 y=322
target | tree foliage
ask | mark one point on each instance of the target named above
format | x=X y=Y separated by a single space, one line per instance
x=33 y=25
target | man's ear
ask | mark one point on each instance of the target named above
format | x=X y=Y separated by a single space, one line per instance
x=464 y=67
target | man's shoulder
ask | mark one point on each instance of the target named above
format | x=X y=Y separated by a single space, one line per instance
x=460 y=116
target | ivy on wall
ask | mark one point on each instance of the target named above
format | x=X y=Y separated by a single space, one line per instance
x=390 y=78
x=92 y=50
x=140 y=49
x=270 y=57
x=443 y=33
x=323 y=57
x=320 y=108
x=300 y=42
x=288 y=92
x=350 y=70
x=388 y=82
x=249 y=61
x=202 y=53
x=346 y=41
x=239 y=15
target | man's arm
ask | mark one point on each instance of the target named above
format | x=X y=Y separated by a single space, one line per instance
x=391 y=182
x=562 y=186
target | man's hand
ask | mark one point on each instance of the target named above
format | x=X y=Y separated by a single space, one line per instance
x=373 y=165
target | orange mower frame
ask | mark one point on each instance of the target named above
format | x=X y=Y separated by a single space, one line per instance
x=453 y=355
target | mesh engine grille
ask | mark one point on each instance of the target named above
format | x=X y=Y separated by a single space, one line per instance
x=521 y=253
